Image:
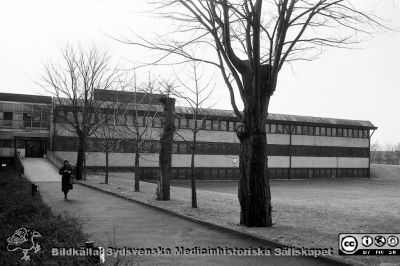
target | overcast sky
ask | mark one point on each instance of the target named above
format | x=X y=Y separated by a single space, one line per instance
x=361 y=84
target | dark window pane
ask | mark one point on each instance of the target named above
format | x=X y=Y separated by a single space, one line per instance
x=214 y=173
x=221 y=174
x=8 y=116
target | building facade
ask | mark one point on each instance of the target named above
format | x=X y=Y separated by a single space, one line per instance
x=24 y=125
x=297 y=146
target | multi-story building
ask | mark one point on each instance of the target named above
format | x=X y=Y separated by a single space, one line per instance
x=24 y=125
x=297 y=146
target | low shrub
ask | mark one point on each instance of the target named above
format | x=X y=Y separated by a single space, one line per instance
x=18 y=209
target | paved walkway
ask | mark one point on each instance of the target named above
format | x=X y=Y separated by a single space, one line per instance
x=117 y=222
x=40 y=169
x=138 y=226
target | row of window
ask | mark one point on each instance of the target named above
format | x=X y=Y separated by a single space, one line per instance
x=214 y=148
x=6 y=143
x=24 y=116
x=274 y=173
x=317 y=131
x=222 y=125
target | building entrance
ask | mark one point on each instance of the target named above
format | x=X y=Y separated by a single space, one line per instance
x=34 y=148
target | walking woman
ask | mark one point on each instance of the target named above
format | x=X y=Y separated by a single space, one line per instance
x=66 y=172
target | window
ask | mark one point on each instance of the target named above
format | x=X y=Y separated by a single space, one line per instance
x=208 y=124
x=191 y=124
x=323 y=131
x=350 y=133
x=221 y=174
x=182 y=148
x=273 y=128
x=267 y=128
x=340 y=132
x=345 y=132
x=231 y=126
x=304 y=130
x=8 y=116
x=298 y=130
x=224 y=125
x=206 y=173
x=177 y=122
x=329 y=131
x=279 y=129
x=6 y=143
x=334 y=132
x=174 y=148
x=184 y=123
x=360 y=133
x=366 y=133
x=182 y=173
x=214 y=173
x=287 y=129
x=317 y=131
x=199 y=148
x=200 y=124
x=215 y=125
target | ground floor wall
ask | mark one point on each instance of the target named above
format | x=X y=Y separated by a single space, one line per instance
x=226 y=166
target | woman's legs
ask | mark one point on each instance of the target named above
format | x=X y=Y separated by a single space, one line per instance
x=65 y=195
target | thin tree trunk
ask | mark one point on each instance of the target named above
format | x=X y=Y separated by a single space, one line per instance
x=80 y=158
x=192 y=173
x=254 y=191
x=84 y=165
x=137 y=175
x=165 y=157
x=106 y=180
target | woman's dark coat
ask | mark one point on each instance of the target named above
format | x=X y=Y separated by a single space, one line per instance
x=65 y=185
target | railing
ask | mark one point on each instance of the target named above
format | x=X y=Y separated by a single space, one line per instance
x=18 y=164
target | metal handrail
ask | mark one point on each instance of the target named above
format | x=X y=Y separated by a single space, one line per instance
x=18 y=164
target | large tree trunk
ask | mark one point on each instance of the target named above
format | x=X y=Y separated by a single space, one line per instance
x=80 y=158
x=106 y=179
x=192 y=173
x=254 y=191
x=137 y=175
x=165 y=157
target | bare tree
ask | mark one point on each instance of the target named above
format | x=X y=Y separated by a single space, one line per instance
x=73 y=84
x=195 y=95
x=166 y=139
x=144 y=115
x=112 y=121
x=252 y=39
